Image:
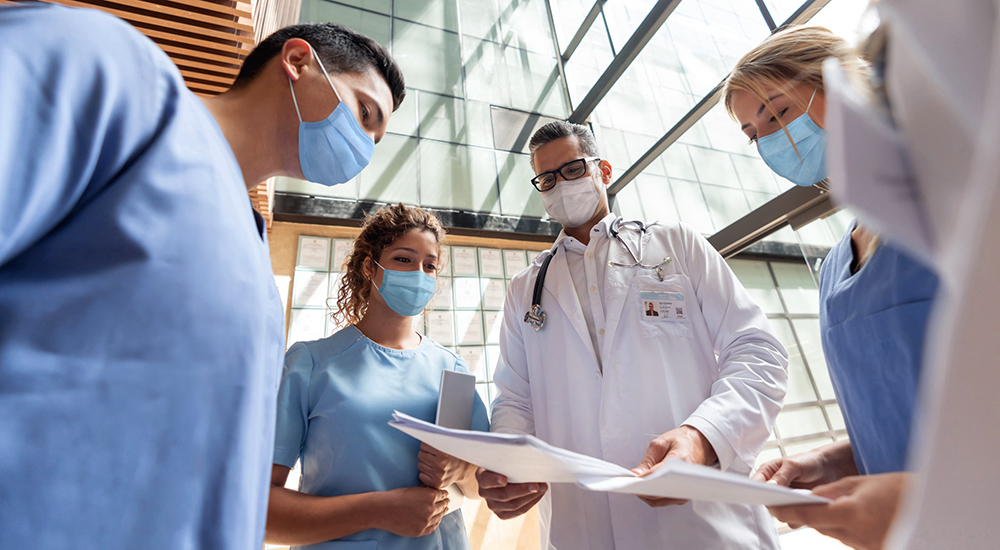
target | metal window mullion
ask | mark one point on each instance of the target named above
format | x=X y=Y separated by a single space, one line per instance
x=767 y=15
x=588 y=22
x=559 y=60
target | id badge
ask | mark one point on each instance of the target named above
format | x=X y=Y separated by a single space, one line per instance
x=662 y=306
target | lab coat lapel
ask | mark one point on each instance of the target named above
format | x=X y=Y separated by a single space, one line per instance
x=559 y=284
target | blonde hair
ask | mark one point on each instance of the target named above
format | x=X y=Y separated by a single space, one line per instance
x=378 y=232
x=788 y=58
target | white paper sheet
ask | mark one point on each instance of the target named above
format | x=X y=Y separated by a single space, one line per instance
x=314 y=252
x=490 y=262
x=464 y=261
x=524 y=458
x=514 y=261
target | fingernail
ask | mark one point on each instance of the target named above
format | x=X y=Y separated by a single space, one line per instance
x=533 y=488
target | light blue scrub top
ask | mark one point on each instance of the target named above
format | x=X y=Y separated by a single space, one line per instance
x=141 y=332
x=873 y=325
x=337 y=396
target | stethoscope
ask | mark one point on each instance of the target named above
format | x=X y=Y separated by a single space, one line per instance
x=536 y=316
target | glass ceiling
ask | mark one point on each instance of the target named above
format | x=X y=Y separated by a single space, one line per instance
x=483 y=74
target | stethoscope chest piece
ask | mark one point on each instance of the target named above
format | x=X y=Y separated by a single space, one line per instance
x=535 y=317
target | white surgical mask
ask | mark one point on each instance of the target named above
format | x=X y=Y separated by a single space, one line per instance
x=573 y=202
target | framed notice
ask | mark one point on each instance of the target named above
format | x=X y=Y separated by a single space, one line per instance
x=490 y=262
x=463 y=261
x=514 y=262
x=314 y=253
x=341 y=249
x=441 y=327
x=493 y=293
x=469 y=327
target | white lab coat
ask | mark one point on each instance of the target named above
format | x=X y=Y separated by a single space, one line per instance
x=657 y=376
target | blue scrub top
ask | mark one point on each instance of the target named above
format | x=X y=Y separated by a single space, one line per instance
x=337 y=396
x=873 y=325
x=141 y=332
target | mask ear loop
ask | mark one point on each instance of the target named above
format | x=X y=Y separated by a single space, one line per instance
x=811 y=98
x=326 y=74
x=294 y=101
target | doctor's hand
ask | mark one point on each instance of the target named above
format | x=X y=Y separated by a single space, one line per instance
x=861 y=513
x=439 y=470
x=812 y=468
x=508 y=500
x=684 y=443
x=413 y=511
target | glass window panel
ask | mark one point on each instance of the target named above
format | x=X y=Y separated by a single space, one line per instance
x=517 y=196
x=657 y=199
x=756 y=200
x=756 y=278
x=389 y=175
x=624 y=18
x=372 y=25
x=441 y=14
x=309 y=288
x=430 y=58
x=306 y=325
x=836 y=417
x=611 y=144
x=441 y=327
x=347 y=190
x=754 y=174
x=812 y=348
x=492 y=358
x=850 y=19
x=456 y=120
x=442 y=295
x=714 y=167
x=458 y=177
x=404 y=119
x=492 y=321
x=797 y=287
x=534 y=83
x=800 y=389
x=804 y=446
x=677 y=161
x=691 y=205
x=480 y=19
x=513 y=129
x=469 y=327
x=589 y=61
x=627 y=203
x=525 y=25
x=468 y=295
x=485 y=77
x=465 y=179
x=381 y=6
x=475 y=361
x=840 y=222
x=568 y=16
x=801 y=422
x=726 y=205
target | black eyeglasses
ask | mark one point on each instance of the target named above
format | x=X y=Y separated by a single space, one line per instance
x=570 y=171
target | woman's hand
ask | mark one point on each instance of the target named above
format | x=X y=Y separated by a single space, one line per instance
x=439 y=470
x=413 y=511
x=812 y=468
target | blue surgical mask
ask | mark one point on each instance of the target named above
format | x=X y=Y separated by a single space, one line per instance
x=406 y=292
x=807 y=166
x=335 y=149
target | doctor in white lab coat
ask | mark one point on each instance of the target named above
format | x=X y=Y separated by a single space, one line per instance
x=701 y=381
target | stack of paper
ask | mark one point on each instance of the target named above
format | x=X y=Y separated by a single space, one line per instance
x=525 y=458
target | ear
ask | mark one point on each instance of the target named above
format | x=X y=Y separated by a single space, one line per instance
x=296 y=55
x=605 y=172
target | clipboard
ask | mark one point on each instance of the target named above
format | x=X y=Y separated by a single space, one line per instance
x=455 y=401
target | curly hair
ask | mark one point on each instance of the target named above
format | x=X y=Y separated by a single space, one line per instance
x=378 y=231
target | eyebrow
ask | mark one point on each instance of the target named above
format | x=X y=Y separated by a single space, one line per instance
x=770 y=99
x=434 y=256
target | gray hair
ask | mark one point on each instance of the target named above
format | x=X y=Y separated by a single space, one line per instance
x=560 y=129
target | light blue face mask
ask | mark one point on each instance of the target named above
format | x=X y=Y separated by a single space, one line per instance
x=333 y=150
x=777 y=151
x=406 y=292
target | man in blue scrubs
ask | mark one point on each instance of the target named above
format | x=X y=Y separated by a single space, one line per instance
x=141 y=334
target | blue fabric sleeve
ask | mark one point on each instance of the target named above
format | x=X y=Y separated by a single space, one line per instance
x=480 y=420
x=293 y=405
x=70 y=119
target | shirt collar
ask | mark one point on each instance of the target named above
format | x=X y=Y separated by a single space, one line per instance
x=602 y=228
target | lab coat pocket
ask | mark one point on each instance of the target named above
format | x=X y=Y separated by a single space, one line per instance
x=662 y=307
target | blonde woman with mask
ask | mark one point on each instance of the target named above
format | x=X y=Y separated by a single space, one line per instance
x=874 y=299
x=364 y=484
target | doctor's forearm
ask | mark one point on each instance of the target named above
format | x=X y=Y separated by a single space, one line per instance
x=296 y=518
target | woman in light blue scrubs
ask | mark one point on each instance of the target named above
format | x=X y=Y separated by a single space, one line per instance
x=874 y=298
x=364 y=484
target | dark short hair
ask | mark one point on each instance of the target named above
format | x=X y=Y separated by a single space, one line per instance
x=341 y=50
x=560 y=129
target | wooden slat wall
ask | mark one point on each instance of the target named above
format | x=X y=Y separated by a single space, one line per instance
x=208 y=40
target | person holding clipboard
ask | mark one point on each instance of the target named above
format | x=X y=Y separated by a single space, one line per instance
x=364 y=484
